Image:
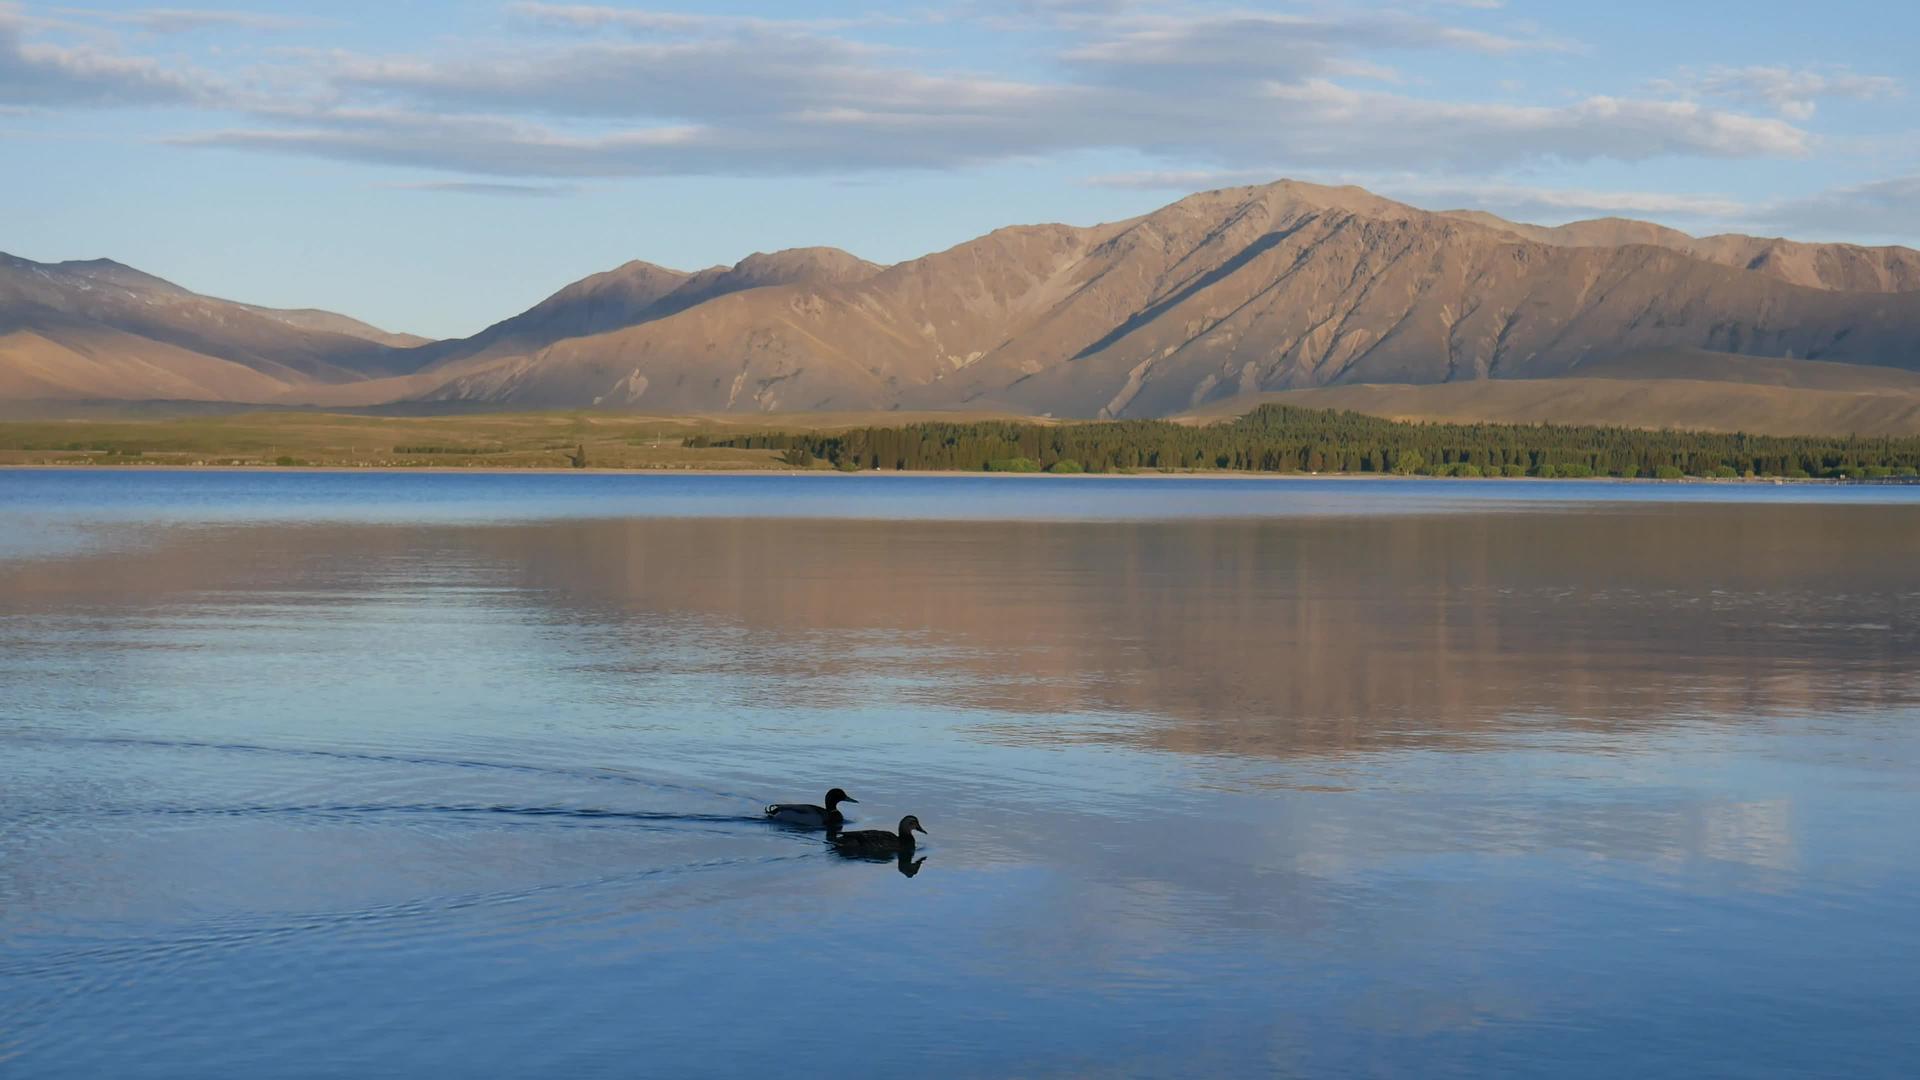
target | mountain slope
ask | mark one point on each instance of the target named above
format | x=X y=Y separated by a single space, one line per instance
x=824 y=343
x=332 y=322
x=100 y=329
x=636 y=293
x=1274 y=288
x=1837 y=267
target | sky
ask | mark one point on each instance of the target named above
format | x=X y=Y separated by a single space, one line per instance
x=434 y=166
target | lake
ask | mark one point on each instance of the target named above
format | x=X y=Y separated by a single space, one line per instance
x=400 y=775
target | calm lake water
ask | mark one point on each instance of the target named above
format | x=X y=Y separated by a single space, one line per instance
x=318 y=775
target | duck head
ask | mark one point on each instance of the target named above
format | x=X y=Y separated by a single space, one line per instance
x=910 y=825
x=836 y=797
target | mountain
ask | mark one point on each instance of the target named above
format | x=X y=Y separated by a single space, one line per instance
x=593 y=305
x=332 y=322
x=1837 y=267
x=1222 y=294
x=99 y=329
x=640 y=292
x=1220 y=297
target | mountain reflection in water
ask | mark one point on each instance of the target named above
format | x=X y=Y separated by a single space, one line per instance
x=1581 y=789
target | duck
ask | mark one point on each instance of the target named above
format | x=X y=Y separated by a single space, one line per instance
x=878 y=842
x=827 y=816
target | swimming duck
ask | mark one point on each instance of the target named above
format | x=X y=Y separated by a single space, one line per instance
x=827 y=816
x=878 y=842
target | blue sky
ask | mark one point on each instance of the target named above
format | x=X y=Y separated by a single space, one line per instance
x=435 y=166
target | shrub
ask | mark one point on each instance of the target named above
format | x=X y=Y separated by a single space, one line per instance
x=797 y=457
x=1722 y=472
x=1513 y=470
x=1066 y=465
x=1668 y=472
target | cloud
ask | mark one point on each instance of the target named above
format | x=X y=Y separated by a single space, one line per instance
x=1517 y=201
x=1792 y=92
x=1526 y=202
x=1268 y=45
x=705 y=95
x=187 y=20
x=481 y=145
x=1183 y=179
x=940 y=123
x=1363 y=127
x=633 y=92
x=1883 y=208
x=473 y=187
x=44 y=75
x=597 y=17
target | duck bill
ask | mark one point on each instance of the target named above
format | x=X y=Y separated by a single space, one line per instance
x=920 y=830
x=849 y=799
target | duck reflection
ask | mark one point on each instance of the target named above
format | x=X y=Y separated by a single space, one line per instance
x=879 y=845
x=907 y=863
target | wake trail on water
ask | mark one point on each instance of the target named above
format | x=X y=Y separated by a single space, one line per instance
x=395 y=921
x=386 y=758
x=555 y=814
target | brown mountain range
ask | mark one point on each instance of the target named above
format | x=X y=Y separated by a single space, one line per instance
x=1216 y=299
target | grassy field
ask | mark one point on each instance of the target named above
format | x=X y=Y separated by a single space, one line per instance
x=160 y=434
x=1659 y=404
x=482 y=440
x=1681 y=390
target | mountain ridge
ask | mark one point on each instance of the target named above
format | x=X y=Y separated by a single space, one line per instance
x=1220 y=295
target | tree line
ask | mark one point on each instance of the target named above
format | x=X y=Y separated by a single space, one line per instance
x=1289 y=439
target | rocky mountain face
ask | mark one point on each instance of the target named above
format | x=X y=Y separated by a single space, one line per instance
x=1223 y=294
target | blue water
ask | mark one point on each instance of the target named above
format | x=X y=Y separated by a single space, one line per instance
x=346 y=774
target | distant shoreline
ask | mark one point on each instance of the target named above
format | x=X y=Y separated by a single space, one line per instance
x=1143 y=474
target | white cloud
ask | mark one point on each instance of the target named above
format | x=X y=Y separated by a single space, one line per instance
x=1220 y=95
x=39 y=74
x=186 y=20
x=1333 y=123
x=1249 y=43
x=1521 y=202
x=1884 y=208
x=1184 y=180
x=1792 y=92
x=634 y=20
x=474 y=187
x=700 y=94
x=1561 y=203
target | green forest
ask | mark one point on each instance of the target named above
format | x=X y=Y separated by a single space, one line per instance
x=1286 y=439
